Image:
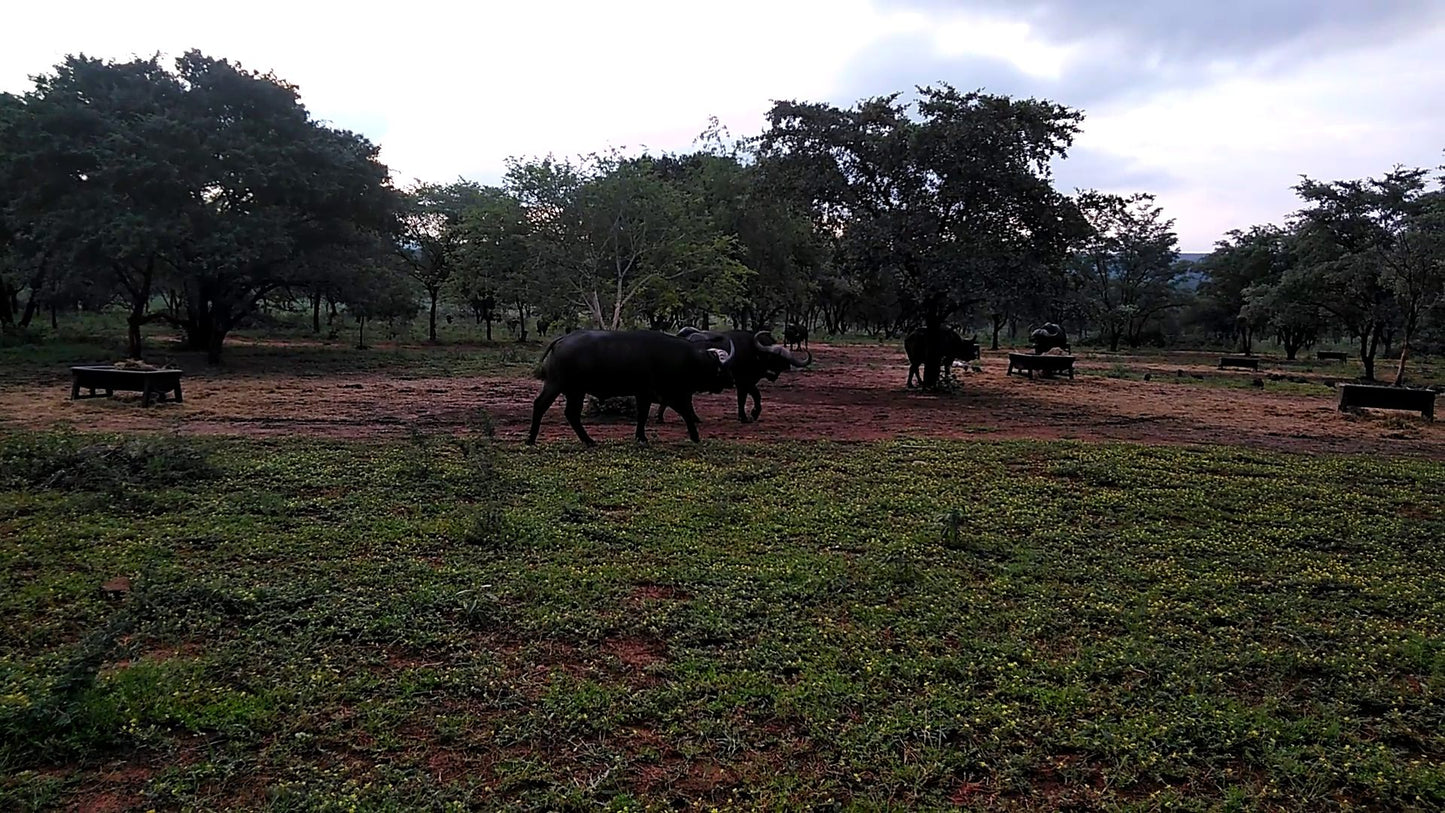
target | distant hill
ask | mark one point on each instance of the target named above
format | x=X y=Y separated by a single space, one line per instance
x=1191 y=280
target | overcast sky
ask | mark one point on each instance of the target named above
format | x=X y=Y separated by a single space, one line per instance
x=1216 y=106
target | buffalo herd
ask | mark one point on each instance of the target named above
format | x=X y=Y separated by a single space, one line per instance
x=668 y=369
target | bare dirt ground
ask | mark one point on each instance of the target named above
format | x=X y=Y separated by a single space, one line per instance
x=852 y=392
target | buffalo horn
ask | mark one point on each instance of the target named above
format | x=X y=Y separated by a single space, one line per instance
x=787 y=354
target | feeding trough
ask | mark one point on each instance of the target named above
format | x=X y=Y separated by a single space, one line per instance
x=1375 y=396
x=1046 y=365
x=1332 y=355
x=1241 y=362
x=109 y=379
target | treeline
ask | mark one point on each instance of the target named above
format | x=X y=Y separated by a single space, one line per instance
x=198 y=195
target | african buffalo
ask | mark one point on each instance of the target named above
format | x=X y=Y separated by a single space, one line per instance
x=952 y=346
x=1048 y=337
x=795 y=336
x=651 y=367
x=756 y=356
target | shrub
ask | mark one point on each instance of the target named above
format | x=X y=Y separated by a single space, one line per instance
x=74 y=462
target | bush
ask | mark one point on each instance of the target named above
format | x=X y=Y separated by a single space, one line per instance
x=73 y=462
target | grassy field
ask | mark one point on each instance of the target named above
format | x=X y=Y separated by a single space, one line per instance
x=443 y=623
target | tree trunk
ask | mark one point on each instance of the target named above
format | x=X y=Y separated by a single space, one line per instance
x=361 y=333
x=1400 y=369
x=30 y=308
x=1246 y=336
x=133 y=342
x=432 y=328
x=7 y=305
x=316 y=312
x=1404 y=351
x=998 y=323
x=54 y=317
x=1368 y=342
x=1292 y=341
x=1114 y=339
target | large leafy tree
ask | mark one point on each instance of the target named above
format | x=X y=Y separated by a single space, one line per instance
x=278 y=186
x=211 y=183
x=935 y=194
x=99 y=180
x=491 y=255
x=430 y=237
x=1373 y=253
x=1240 y=263
x=380 y=286
x=1126 y=267
x=11 y=111
x=1286 y=307
x=611 y=231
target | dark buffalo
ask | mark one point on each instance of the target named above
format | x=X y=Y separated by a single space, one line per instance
x=756 y=356
x=795 y=336
x=649 y=366
x=952 y=346
x=1048 y=337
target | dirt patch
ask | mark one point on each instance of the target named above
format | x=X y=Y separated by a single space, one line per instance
x=636 y=654
x=117 y=787
x=851 y=393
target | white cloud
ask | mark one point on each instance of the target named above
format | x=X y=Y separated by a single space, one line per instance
x=1236 y=148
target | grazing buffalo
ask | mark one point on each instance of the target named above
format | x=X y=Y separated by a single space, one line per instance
x=1048 y=337
x=755 y=357
x=795 y=336
x=952 y=346
x=649 y=366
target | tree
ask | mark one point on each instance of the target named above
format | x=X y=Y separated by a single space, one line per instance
x=431 y=236
x=1126 y=266
x=1027 y=290
x=611 y=229
x=211 y=183
x=1374 y=249
x=100 y=181
x=491 y=253
x=1243 y=261
x=1284 y=306
x=277 y=187
x=935 y=200
x=382 y=288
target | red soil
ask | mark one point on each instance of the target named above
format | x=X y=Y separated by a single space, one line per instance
x=852 y=392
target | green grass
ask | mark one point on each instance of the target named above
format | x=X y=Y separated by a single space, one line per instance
x=441 y=622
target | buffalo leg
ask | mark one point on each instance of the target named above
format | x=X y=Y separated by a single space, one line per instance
x=912 y=373
x=574 y=416
x=661 y=408
x=757 y=401
x=742 y=404
x=643 y=407
x=689 y=417
x=539 y=407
